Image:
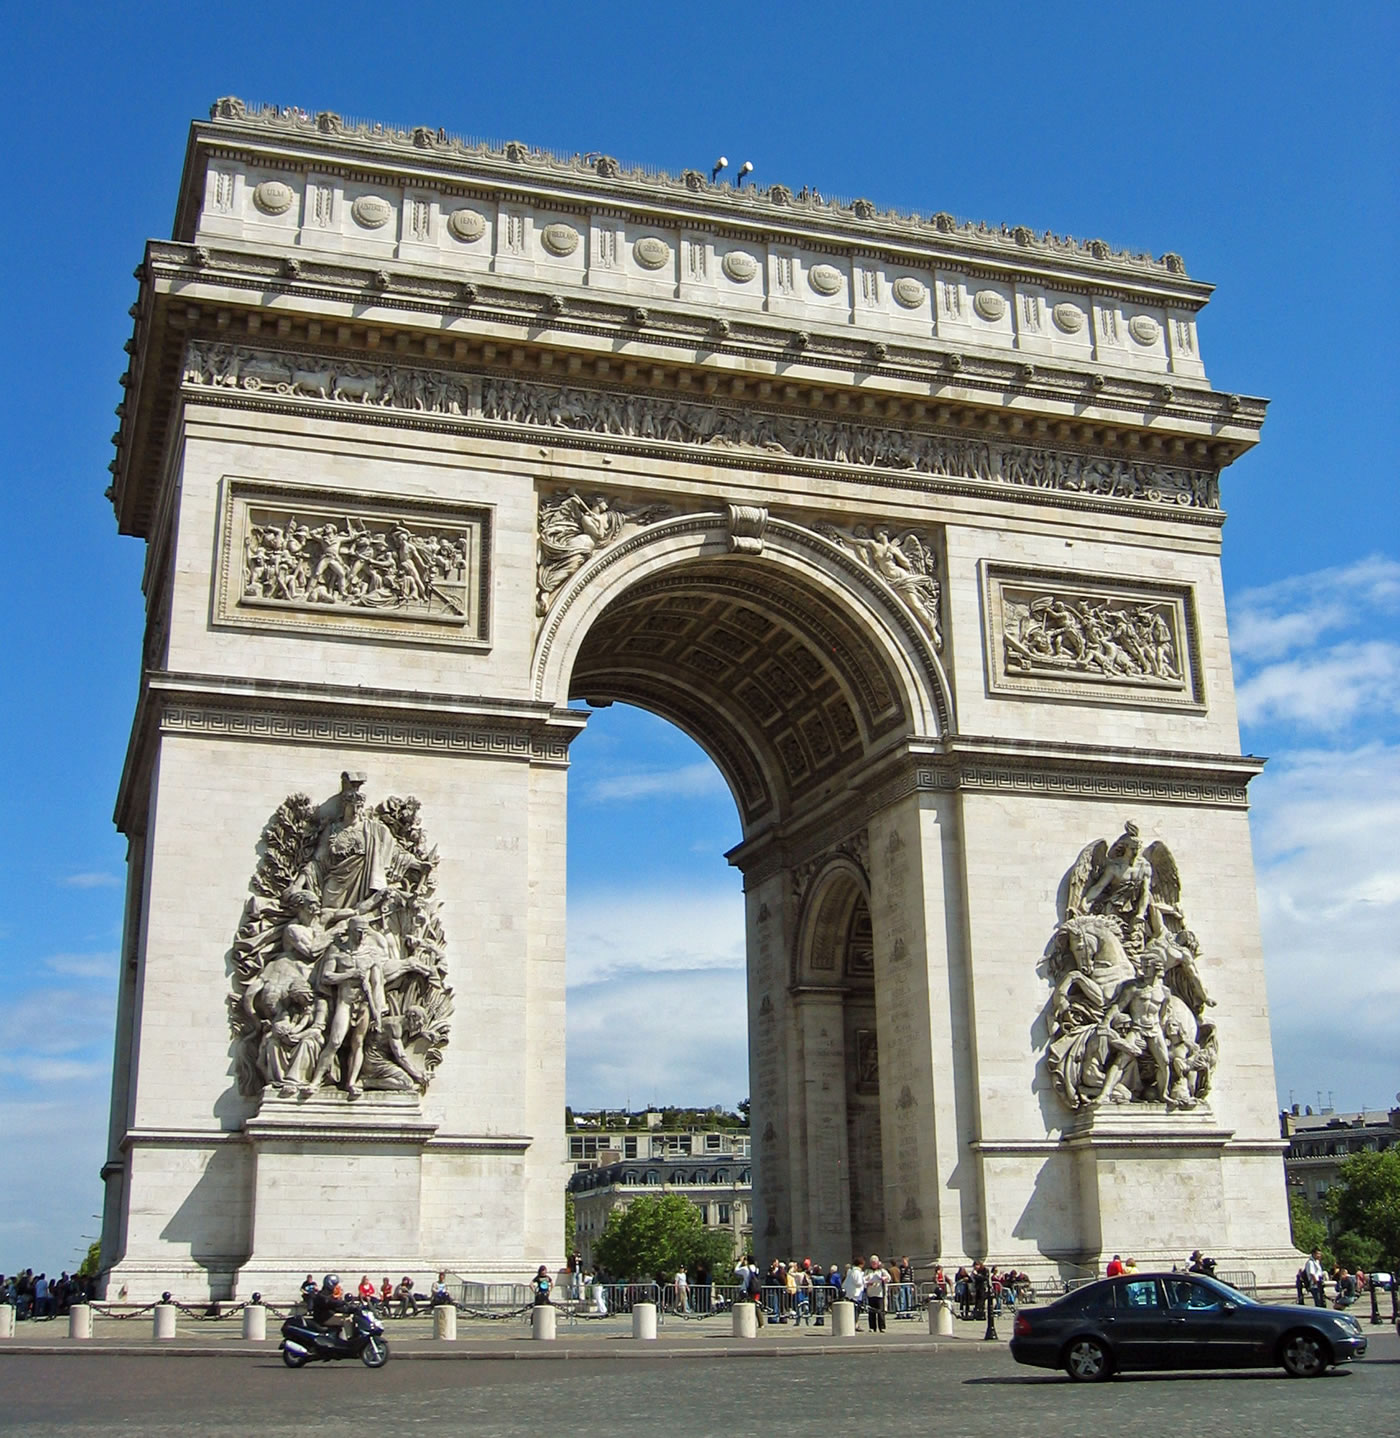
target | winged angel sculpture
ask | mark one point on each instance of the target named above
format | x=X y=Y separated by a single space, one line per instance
x=908 y=565
x=1127 y=1015
x=338 y=966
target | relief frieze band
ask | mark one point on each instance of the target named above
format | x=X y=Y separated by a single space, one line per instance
x=1088 y=637
x=352 y=563
x=377 y=391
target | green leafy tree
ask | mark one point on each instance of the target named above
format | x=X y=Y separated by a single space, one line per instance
x=1308 y=1232
x=1364 y=1204
x=570 y=1224
x=92 y=1263
x=654 y=1236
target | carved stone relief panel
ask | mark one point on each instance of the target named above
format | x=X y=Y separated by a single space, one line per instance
x=339 y=964
x=1126 y=1022
x=352 y=563
x=1057 y=634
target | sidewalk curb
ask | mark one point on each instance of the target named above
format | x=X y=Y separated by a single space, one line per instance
x=609 y=1349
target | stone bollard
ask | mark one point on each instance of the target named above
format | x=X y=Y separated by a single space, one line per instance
x=445 y=1322
x=643 y=1320
x=255 y=1323
x=843 y=1318
x=940 y=1318
x=542 y=1318
x=745 y=1316
x=80 y=1321
x=163 y=1322
x=7 y=1321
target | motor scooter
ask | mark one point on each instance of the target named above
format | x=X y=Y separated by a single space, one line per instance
x=304 y=1341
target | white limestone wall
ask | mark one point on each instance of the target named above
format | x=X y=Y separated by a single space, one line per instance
x=1117 y=551
x=1017 y=851
x=342 y=458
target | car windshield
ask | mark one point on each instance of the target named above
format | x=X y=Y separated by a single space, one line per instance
x=1233 y=1294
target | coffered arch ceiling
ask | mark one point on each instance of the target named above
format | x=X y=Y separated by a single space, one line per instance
x=769 y=675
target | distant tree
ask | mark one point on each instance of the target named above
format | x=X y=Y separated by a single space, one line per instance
x=1308 y=1232
x=654 y=1236
x=570 y=1224
x=744 y=1109
x=1364 y=1203
x=93 y=1262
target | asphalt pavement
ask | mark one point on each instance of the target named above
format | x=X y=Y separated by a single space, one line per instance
x=886 y=1387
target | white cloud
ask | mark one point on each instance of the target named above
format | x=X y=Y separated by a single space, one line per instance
x=640 y=1037
x=1326 y=691
x=654 y=932
x=83 y=966
x=1328 y=871
x=90 y=881
x=689 y=781
x=1275 y=619
x=48 y=1021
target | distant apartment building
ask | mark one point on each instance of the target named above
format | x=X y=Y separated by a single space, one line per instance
x=605 y=1137
x=1319 y=1143
x=701 y=1154
x=720 y=1187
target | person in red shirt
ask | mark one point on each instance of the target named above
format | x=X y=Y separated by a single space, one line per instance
x=366 y=1289
x=1114 y=1268
x=386 y=1292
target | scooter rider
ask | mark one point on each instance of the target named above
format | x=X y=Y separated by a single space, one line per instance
x=328 y=1309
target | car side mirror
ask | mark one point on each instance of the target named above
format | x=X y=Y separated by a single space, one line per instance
x=1230 y=1307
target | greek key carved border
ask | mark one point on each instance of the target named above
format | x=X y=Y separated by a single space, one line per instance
x=290 y=726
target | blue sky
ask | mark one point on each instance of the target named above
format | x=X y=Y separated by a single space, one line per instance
x=1257 y=140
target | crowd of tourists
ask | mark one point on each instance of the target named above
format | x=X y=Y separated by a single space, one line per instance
x=36 y=1295
x=388 y=1299
x=1314 y=1276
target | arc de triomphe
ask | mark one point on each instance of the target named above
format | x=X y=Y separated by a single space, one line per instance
x=914 y=525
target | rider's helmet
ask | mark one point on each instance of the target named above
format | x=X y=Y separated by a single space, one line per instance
x=329 y=1282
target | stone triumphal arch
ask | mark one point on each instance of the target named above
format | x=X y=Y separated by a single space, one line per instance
x=914 y=525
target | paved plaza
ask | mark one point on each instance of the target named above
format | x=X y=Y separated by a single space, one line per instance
x=905 y=1384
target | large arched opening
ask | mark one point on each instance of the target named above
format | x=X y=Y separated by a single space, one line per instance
x=799 y=673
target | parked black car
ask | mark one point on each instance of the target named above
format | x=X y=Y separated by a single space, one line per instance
x=1179 y=1320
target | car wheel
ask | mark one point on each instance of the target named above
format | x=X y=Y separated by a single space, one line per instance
x=1087 y=1361
x=293 y=1360
x=1304 y=1355
x=375 y=1353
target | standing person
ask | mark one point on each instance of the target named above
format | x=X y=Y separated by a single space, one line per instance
x=542 y=1285
x=905 y=1291
x=682 y=1291
x=877 y=1286
x=981 y=1290
x=802 y=1309
x=853 y=1286
x=1315 y=1277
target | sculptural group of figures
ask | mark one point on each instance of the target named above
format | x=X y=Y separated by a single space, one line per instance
x=641 y=416
x=572 y=530
x=338 y=968
x=1115 y=639
x=380 y=566
x=1126 y=1019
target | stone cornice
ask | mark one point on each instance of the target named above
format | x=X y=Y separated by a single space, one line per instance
x=975 y=764
x=219 y=707
x=983 y=414
x=332 y=143
x=410 y=294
